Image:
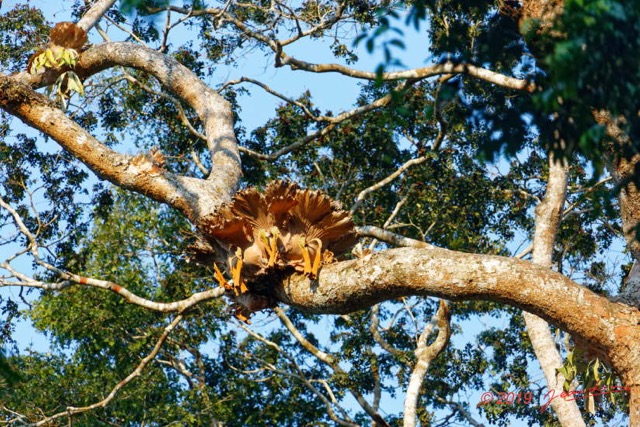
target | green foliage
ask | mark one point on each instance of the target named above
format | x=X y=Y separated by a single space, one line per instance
x=600 y=388
x=594 y=68
x=23 y=30
x=8 y=375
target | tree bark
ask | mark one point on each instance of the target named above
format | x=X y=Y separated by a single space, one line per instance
x=348 y=286
x=425 y=354
x=547 y=220
x=194 y=197
x=93 y=15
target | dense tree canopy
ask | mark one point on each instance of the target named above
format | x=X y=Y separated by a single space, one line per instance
x=492 y=189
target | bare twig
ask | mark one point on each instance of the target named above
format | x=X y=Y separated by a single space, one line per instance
x=391 y=238
x=71 y=410
x=332 y=363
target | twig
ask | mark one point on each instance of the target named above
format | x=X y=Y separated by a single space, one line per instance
x=71 y=410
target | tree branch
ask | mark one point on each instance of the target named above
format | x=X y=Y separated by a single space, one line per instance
x=390 y=237
x=547 y=221
x=71 y=279
x=357 y=284
x=425 y=355
x=415 y=73
x=136 y=372
x=194 y=197
x=93 y=15
x=345 y=421
x=330 y=361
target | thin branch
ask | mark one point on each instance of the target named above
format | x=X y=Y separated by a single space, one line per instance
x=283 y=97
x=416 y=73
x=333 y=122
x=69 y=278
x=282 y=58
x=391 y=238
x=131 y=34
x=375 y=332
x=408 y=164
x=315 y=351
x=71 y=410
x=460 y=408
x=332 y=363
x=347 y=422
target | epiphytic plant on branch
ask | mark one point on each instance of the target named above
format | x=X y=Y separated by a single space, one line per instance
x=65 y=41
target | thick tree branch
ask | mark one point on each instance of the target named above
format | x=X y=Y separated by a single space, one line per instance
x=93 y=15
x=194 y=197
x=353 y=285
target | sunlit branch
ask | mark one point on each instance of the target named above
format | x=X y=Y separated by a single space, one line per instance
x=194 y=197
x=390 y=237
x=392 y=216
x=425 y=354
x=128 y=32
x=571 y=208
x=408 y=164
x=396 y=209
x=416 y=73
x=165 y=31
x=345 y=421
x=71 y=410
x=93 y=15
x=316 y=352
x=548 y=215
x=331 y=362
